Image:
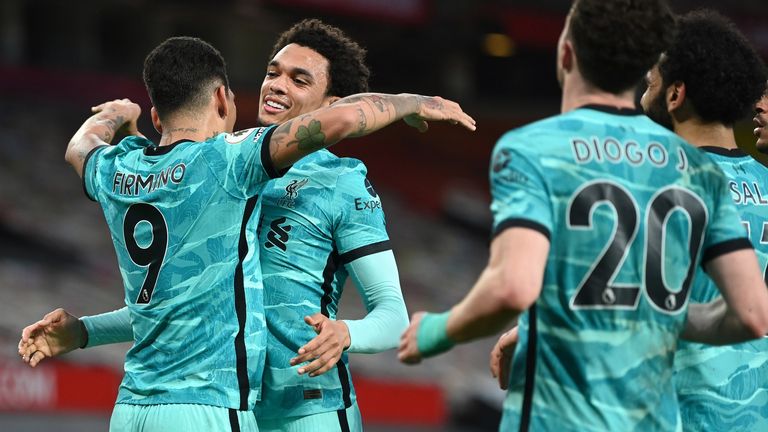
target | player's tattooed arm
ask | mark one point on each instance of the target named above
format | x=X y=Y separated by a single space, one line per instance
x=101 y=128
x=355 y=116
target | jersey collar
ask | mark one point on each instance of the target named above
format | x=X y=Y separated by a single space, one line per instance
x=613 y=110
x=734 y=153
x=154 y=150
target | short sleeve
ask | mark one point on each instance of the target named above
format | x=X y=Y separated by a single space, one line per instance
x=91 y=172
x=242 y=161
x=99 y=161
x=360 y=227
x=518 y=191
x=725 y=232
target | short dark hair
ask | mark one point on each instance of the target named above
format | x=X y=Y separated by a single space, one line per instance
x=723 y=74
x=348 y=73
x=617 y=41
x=179 y=71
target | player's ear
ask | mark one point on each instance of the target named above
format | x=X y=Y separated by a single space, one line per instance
x=328 y=100
x=675 y=95
x=220 y=99
x=156 y=121
x=567 y=59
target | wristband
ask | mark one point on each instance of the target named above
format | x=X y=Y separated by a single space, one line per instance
x=83 y=334
x=432 y=337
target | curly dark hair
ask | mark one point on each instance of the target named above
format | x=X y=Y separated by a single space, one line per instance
x=617 y=41
x=348 y=72
x=179 y=71
x=723 y=74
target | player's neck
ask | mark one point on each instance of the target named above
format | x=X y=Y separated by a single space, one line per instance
x=188 y=129
x=579 y=92
x=706 y=134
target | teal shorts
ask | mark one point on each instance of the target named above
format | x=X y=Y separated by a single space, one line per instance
x=180 y=418
x=348 y=420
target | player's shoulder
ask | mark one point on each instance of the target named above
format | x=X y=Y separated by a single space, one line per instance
x=755 y=166
x=546 y=125
x=353 y=178
x=242 y=136
x=324 y=163
x=537 y=136
x=351 y=168
x=132 y=142
x=131 y=147
x=350 y=177
x=704 y=159
x=126 y=145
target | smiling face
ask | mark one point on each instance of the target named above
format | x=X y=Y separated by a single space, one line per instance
x=296 y=83
x=761 y=123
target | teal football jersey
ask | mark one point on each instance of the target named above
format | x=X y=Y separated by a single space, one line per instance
x=631 y=211
x=726 y=388
x=183 y=221
x=322 y=214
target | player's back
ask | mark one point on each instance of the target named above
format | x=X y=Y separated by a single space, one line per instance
x=182 y=219
x=629 y=209
x=724 y=387
x=319 y=211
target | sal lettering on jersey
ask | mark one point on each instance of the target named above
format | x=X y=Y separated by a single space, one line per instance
x=612 y=150
x=744 y=193
x=135 y=184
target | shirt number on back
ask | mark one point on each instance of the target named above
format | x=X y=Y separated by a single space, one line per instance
x=153 y=254
x=598 y=290
x=763 y=240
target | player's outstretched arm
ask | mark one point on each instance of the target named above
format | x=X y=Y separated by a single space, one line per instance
x=741 y=313
x=59 y=332
x=355 y=116
x=101 y=128
x=510 y=283
x=376 y=279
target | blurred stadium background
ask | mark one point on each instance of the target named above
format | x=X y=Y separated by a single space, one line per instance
x=57 y=59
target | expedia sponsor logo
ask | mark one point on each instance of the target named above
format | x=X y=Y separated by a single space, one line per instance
x=365 y=204
x=238 y=137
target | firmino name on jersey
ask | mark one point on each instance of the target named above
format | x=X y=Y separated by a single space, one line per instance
x=135 y=184
x=611 y=150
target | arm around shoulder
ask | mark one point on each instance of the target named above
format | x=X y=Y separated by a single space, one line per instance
x=100 y=129
x=741 y=313
x=355 y=116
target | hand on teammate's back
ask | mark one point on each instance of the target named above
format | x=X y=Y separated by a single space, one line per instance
x=501 y=357
x=324 y=351
x=57 y=333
